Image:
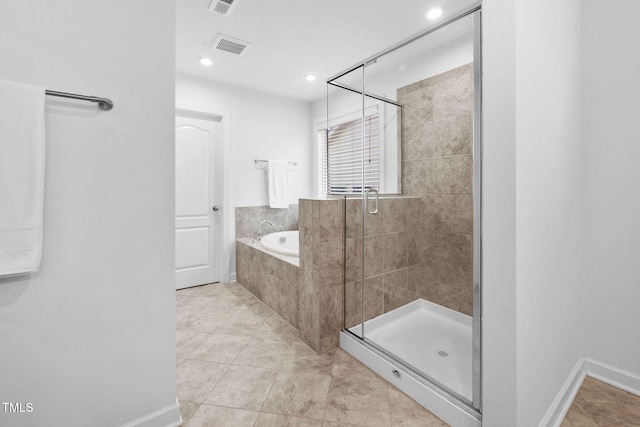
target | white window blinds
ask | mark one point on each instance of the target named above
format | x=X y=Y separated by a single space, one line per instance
x=340 y=151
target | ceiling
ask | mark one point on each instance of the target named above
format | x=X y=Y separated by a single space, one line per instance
x=292 y=38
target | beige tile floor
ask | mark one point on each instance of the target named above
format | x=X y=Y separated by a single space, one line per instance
x=240 y=364
x=600 y=405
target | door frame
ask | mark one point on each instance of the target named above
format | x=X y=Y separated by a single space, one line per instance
x=221 y=174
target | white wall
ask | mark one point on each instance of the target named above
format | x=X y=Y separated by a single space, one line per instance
x=90 y=338
x=532 y=167
x=499 y=378
x=611 y=108
x=263 y=126
x=549 y=224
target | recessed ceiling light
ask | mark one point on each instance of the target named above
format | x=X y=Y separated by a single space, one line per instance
x=310 y=77
x=206 y=61
x=434 y=13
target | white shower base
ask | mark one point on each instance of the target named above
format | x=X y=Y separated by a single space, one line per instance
x=433 y=340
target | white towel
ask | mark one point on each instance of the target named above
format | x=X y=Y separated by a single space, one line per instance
x=278 y=184
x=22 y=154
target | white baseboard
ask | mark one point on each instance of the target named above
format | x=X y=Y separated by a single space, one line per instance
x=169 y=416
x=625 y=380
x=561 y=404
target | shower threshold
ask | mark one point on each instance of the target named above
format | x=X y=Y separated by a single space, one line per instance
x=433 y=341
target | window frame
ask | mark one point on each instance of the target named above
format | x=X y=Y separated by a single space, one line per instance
x=341 y=117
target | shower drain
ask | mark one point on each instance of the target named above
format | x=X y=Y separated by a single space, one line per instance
x=443 y=353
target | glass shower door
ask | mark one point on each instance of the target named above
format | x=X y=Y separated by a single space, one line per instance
x=363 y=155
x=344 y=179
x=412 y=222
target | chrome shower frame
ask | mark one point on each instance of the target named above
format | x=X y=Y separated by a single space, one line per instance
x=389 y=367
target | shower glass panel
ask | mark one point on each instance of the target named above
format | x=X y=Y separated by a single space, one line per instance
x=412 y=222
x=343 y=176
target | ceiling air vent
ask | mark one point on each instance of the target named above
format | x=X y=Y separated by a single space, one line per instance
x=230 y=44
x=222 y=7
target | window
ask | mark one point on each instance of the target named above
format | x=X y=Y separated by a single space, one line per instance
x=340 y=156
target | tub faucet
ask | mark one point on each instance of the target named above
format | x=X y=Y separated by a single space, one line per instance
x=259 y=234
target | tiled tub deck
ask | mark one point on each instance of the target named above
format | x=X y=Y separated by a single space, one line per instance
x=272 y=277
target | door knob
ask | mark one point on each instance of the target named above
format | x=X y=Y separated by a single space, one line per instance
x=216 y=208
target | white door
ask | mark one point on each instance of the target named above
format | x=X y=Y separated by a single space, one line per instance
x=198 y=242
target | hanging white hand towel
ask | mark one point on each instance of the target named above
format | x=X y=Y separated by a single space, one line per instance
x=278 y=184
x=22 y=158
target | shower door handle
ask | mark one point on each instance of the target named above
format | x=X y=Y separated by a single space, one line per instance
x=366 y=199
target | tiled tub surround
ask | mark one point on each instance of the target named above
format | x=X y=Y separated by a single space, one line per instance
x=309 y=297
x=321 y=272
x=273 y=278
x=437 y=166
x=248 y=218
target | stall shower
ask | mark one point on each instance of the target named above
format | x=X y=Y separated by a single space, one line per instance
x=411 y=194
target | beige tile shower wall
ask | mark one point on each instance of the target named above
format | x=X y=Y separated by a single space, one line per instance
x=437 y=165
x=274 y=281
x=393 y=252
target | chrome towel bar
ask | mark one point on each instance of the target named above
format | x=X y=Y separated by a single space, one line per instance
x=104 y=103
x=265 y=161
